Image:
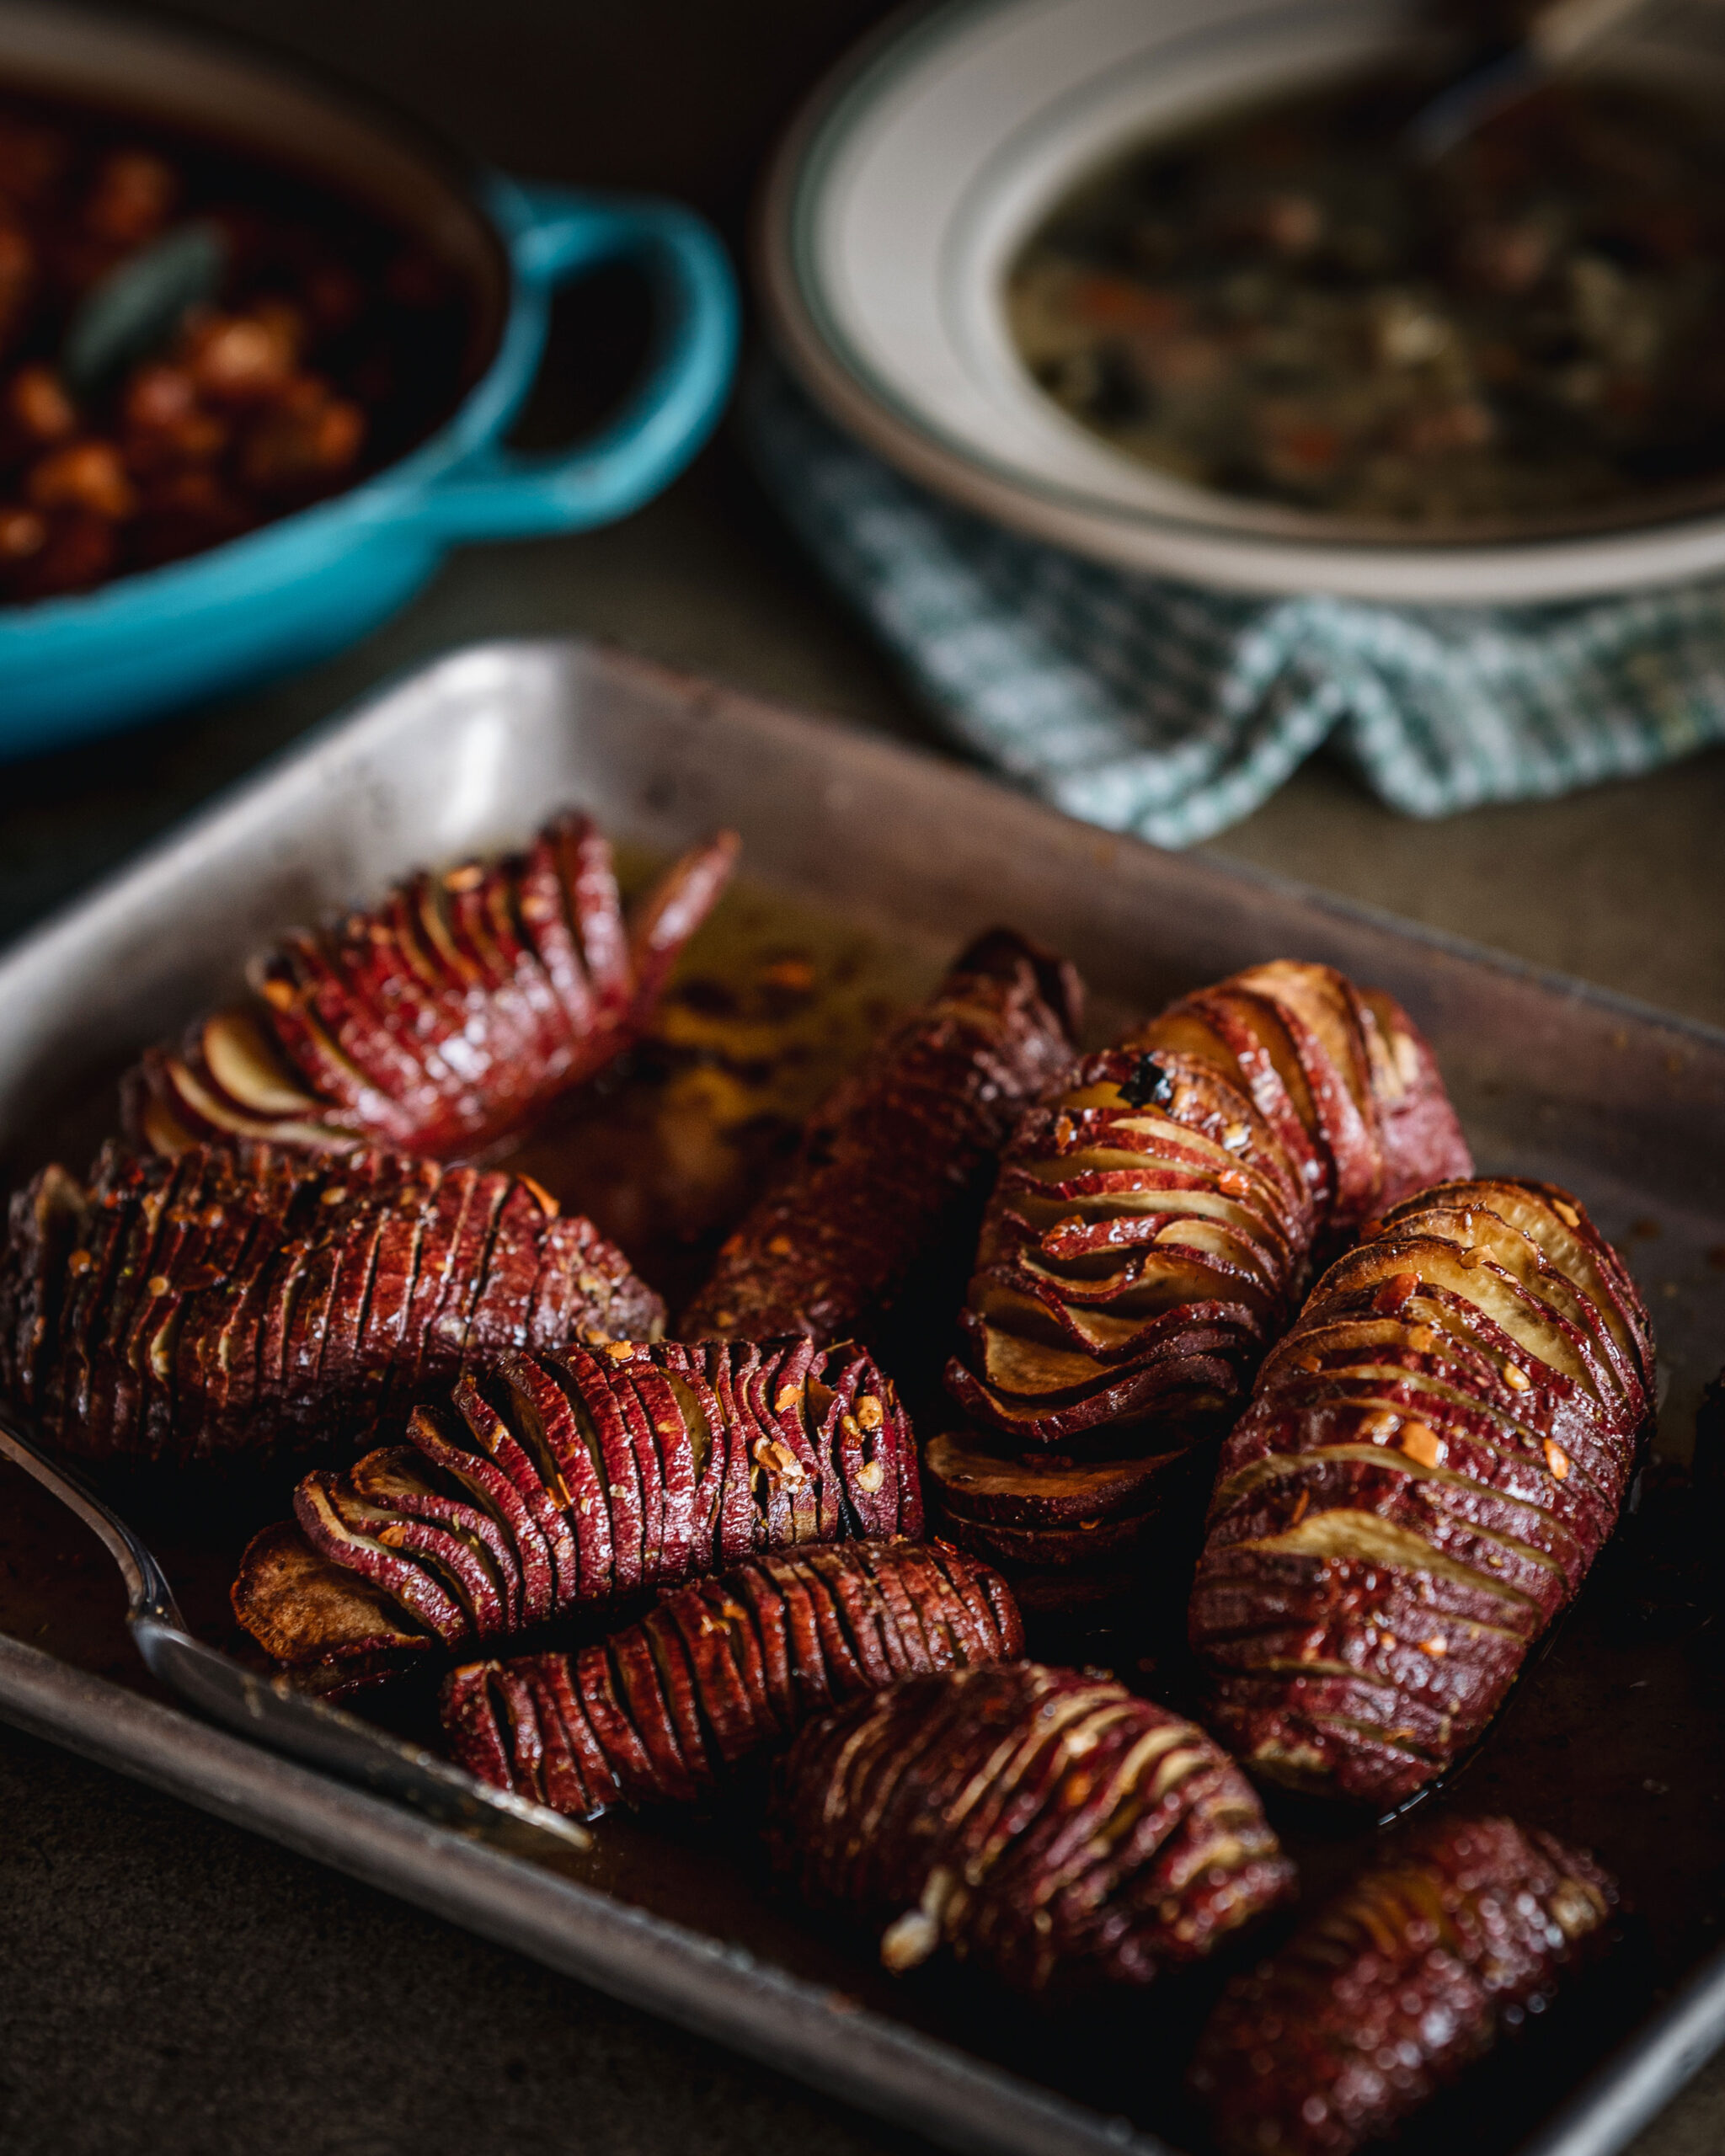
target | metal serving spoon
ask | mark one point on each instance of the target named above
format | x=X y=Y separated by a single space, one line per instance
x=269 y=1710
x=1558 y=33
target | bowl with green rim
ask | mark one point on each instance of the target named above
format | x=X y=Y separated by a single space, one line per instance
x=913 y=178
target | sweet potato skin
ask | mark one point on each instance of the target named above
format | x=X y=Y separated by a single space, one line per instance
x=887 y=1156
x=244 y=1301
x=1152 y=1225
x=441 y=1020
x=1393 y=1989
x=1432 y=1461
x=553 y=1483
x=1045 y=1823
x=724 y=1668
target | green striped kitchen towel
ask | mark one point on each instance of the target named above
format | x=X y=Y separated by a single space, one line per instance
x=1150 y=706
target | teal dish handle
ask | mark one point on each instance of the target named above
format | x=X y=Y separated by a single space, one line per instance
x=556 y=235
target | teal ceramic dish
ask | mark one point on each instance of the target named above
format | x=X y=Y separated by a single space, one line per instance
x=301 y=588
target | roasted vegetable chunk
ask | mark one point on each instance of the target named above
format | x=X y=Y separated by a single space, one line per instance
x=1399 y=1984
x=557 y=1482
x=885 y=1159
x=1047 y=1825
x=1432 y=1459
x=443 y=1019
x=241 y=1300
x=722 y=1669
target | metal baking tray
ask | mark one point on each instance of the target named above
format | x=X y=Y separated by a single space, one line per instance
x=1616 y=1738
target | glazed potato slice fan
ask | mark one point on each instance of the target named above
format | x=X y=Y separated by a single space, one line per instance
x=244 y=1301
x=561 y=1482
x=1397 y=1986
x=1044 y=1822
x=892 y=1151
x=721 y=1668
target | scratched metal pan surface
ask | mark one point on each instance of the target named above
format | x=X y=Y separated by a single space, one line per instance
x=1616 y=1739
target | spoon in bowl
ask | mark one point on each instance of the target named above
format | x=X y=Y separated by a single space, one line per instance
x=1559 y=33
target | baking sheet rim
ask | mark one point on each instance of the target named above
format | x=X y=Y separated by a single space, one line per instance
x=723 y=1993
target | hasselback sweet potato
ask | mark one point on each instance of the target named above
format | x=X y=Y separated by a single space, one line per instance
x=1152 y=1228
x=1153 y=1224
x=722 y=1669
x=441 y=1019
x=1047 y=1824
x=551 y=1483
x=1432 y=1461
x=887 y=1156
x=1388 y=1994
x=244 y=1301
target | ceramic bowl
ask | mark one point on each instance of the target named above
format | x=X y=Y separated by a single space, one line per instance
x=909 y=183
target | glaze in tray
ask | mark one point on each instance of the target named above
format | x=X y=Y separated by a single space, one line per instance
x=867 y=865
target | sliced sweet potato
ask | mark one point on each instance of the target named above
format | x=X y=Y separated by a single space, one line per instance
x=443 y=1019
x=1436 y=1948
x=545 y=1491
x=1199 y=1165
x=887 y=1160
x=1434 y=1459
x=1048 y=1826
x=245 y=1301
x=721 y=1669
